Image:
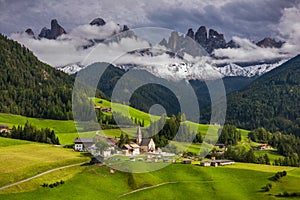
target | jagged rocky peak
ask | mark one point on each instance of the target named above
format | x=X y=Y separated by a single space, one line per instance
x=55 y=31
x=45 y=32
x=232 y=44
x=201 y=35
x=215 y=41
x=190 y=33
x=215 y=35
x=163 y=42
x=98 y=22
x=270 y=43
x=30 y=32
x=125 y=28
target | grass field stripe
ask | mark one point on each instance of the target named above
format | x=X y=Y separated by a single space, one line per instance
x=41 y=174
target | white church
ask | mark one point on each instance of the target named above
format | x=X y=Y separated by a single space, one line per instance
x=141 y=145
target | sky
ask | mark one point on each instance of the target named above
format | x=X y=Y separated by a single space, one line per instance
x=252 y=19
x=243 y=21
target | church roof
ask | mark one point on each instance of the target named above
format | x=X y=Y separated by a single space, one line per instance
x=145 y=141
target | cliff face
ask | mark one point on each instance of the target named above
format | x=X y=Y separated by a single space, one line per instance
x=55 y=31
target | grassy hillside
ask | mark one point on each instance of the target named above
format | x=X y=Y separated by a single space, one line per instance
x=64 y=129
x=173 y=182
x=19 y=161
x=134 y=113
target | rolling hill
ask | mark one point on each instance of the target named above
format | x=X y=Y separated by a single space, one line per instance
x=31 y=88
x=271 y=101
x=146 y=96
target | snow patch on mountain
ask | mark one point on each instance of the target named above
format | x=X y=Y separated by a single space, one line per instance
x=71 y=69
x=249 y=71
x=200 y=71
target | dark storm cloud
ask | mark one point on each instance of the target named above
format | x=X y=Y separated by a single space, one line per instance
x=251 y=19
x=245 y=18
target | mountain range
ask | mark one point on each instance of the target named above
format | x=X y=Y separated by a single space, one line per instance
x=209 y=40
x=269 y=98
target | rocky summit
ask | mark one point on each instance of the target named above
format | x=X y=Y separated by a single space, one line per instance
x=55 y=31
x=270 y=43
x=98 y=22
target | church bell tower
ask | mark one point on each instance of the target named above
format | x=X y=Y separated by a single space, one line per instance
x=139 y=136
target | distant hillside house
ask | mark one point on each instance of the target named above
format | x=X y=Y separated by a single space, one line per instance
x=216 y=163
x=146 y=144
x=3 y=128
x=262 y=147
x=83 y=144
x=221 y=146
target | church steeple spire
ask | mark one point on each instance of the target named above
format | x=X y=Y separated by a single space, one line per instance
x=139 y=136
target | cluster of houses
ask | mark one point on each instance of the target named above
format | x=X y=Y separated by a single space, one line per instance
x=219 y=149
x=135 y=147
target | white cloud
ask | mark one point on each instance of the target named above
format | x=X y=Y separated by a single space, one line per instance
x=68 y=48
x=248 y=52
x=289 y=28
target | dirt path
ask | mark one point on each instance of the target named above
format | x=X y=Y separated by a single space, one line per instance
x=38 y=175
x=158 y=185
x=146 y=188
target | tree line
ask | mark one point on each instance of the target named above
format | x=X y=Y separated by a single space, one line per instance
x=172 y=128
x=31 y=133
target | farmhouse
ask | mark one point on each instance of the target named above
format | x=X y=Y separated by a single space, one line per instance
x=205 y=163
x=132 y=149
x=262 y=147
x=186 y=162
x=221 y=146
x=83 y=144
x=3 y=128
x=216 y=163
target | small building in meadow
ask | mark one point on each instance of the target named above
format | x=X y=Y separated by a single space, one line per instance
x=3 y=128
x=205 y=163
x=217 y=163
x=262 y=147
x=187 y=161
x=221 y=146
x=83 y=144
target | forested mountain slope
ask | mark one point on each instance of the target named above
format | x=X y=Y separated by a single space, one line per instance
x=271 y=101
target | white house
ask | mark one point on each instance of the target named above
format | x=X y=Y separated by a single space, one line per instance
x=83 y=144
x=132 y=149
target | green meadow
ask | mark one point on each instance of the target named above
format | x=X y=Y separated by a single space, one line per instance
x=121 y=108
x=176 y=181
x=21 y=160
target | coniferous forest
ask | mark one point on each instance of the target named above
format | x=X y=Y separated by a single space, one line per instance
x=31 y=88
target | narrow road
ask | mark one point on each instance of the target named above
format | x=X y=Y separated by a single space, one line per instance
x=38 y=175
x=145 y=188
x=165 y=183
